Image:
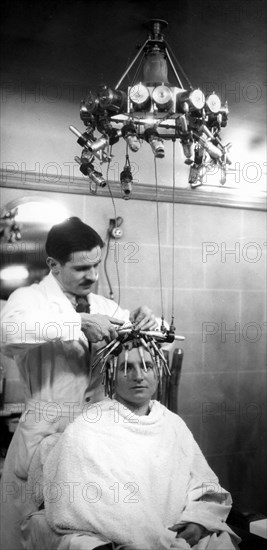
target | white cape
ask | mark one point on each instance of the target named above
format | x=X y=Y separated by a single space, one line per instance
x=129 y=478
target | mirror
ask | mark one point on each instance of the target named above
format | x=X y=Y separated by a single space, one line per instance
x=24 y=226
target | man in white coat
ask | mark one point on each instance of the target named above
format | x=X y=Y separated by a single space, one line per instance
x=52 y=329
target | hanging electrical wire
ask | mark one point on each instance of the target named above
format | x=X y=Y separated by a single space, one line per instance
x=111 y=293
x=172 y=327
x=126 y=179
x=159 y=246
x=116 y=256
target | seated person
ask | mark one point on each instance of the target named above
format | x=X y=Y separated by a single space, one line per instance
x=128 y=472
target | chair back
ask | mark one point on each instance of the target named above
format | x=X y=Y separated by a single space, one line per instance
x=168 y=393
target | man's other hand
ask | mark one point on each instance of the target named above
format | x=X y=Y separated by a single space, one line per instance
x=191 y=532
x=99 y=327
x=143 y=318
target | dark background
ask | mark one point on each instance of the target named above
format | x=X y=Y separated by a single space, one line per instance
x=86 y=43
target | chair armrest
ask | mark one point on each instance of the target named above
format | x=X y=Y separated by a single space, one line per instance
x=239 y=523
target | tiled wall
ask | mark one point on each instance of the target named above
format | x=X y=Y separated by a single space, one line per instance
x=220 y=307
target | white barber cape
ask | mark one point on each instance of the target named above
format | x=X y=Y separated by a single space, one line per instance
x=129 y=478
x=41 y=330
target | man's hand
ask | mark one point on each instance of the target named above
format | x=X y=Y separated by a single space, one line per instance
x=99 y=327
x=191 y=532
x=143 y=318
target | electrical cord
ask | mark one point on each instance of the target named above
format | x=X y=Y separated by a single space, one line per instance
x=172 y=327
x=159 y=244
x=111 y=294
x=116 y=259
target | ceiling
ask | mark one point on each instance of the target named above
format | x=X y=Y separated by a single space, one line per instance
x=86 y=42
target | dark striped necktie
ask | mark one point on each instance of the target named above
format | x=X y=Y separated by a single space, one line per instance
x=82 y=304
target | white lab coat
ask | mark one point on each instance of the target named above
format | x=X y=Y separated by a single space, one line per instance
x=42 y=331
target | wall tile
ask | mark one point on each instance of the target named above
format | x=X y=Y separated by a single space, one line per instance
x=244 y=475
x=193 y=423
x=139 y=218
x=115 y=266
x=203 y=310
x=223 y=465
x=222 y=350
x=141 y=222
x=189 y=270
x=253 y=309
x=131 y=298
x=97 y=211
x=248 y=481
x=253 y=354
x=215 y=225
x=195 y=226
x=183 y=230
x=219 y=434
x=234 y=272
x=252 y=389
x=252 y=431
x=254 y=228
x=193 y=353
x=145 y=271
x=253 y=275
x=207 y=394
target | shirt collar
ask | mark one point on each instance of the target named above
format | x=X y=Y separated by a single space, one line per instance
x=71 y=297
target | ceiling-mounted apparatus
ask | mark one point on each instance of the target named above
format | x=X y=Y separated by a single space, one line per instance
x=153 y=109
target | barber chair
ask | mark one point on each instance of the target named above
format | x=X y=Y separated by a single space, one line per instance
x=169 y=391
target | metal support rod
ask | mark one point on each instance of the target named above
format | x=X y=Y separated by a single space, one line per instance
x=131 y=64
x=173 y=68
x=153 y=333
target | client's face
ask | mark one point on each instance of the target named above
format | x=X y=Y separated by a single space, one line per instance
x=137 y=387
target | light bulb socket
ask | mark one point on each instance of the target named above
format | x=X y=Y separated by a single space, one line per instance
x=89 y=105
x=128 y=128
x=86 y=167
x=188 y=149
x=139 y=97
x=190 y=100
x=126 y=179
x=213 y=151
x=112 y=100
x=129 y=133
x=126 y=175
x=213 y=103
x=196 y=175
x=163 y=98
x=156 y=142
x=98 y=145
x=97 y=178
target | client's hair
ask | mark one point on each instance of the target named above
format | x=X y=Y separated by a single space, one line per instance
x=108 y=356
x=72 y=235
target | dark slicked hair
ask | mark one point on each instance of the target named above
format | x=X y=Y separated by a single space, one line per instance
x=70 y=236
